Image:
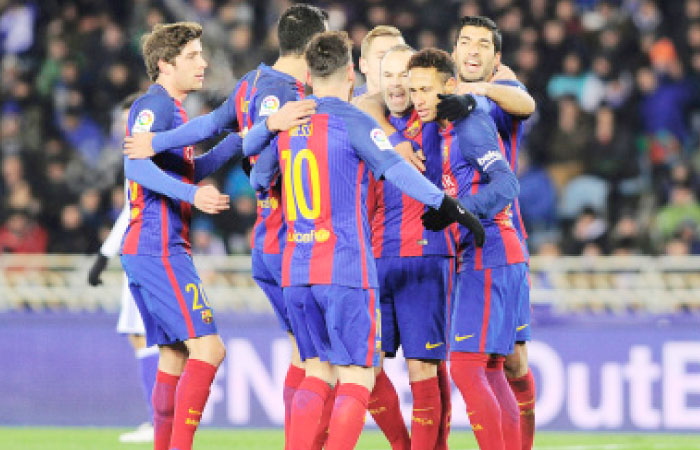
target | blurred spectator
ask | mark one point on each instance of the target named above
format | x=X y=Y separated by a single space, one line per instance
x=204 y=241
x=17 y=26
x=72 y=236
x=21 y=234
x=588 y=234
x=682 y=209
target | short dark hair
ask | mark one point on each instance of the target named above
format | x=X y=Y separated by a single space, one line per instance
x=435 y=58
x=297 y=25
x=166 y=42
x=483 y=22
x=327 y=53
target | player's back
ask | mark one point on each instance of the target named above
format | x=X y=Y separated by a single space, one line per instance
x=396 y=218
x=258 y=94
x=324 y=192
x=159 y=225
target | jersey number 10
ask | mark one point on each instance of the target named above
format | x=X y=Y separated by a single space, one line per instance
x=294 y=187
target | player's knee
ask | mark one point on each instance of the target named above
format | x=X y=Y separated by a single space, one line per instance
x=419 y=370
x=516 y=365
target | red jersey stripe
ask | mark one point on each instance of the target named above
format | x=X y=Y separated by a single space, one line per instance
x=131 y=242
x=487 y=310
x=377 y=215
x=178 y=295
x=188 y=177
x=164 y=225
x=479 y=251
x=372 y=330
x=360 y=231
x=283 y=144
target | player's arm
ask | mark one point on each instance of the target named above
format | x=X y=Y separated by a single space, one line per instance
x=231 y=147
x=510 y=95
x=110 y=247
x=266 y=168
x=290 y=115
x=478 y=142
x=373 y=147
x=374 y=106
x=145 y=145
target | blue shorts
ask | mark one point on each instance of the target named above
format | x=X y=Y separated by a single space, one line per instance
x=523 y=327
x=486 y=309
x=170 y=297
x=267 y=272
x=414 y=295
x=336 y=323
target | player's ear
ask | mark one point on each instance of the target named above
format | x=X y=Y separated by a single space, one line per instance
x=497 y=60
x=351 y=73
x=308 y=79
x=363 y=66
x=164 y=67
x=451 y=85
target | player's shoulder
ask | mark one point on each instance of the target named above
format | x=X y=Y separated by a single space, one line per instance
x=476 y=127
x=350 y=113
x=155 y=106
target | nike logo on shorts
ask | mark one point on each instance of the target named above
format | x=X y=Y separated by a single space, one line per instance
x=465 y=337
x=429 y=346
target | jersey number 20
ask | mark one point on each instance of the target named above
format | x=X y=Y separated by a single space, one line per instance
x=294 y=187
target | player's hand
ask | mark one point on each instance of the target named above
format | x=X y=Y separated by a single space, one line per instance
x=504 y=72
x=453 y=107
x=474 y=88
x=208 y=199
x=96 y=270
x=139 y=145
x=405 y=149
x=451 y=210
x=290 y=115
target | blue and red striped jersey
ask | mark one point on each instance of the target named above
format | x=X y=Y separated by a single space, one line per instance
x=471 y=157
x=324 y=172
x=510 y=134
x=395 y=217
x=159 y=225
x=258 y=94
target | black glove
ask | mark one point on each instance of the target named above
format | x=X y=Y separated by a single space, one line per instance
x=451 y=210
x=97 y=267
x=453 y=107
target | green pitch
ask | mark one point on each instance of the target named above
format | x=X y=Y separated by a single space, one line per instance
x=246 y=439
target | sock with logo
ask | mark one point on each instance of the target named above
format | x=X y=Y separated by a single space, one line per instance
x=295 y=375
x=307 y=409
x=348 y=417
x=524 y=390
x=163 y=399
x=445 y=406
x=322 y=434
x=147 y=361
x=190 y=398
x=386 y=412
x=425 y=420
x=510 y=414
x=468 y=371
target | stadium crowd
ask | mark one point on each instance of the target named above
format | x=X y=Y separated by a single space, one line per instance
x=611 y=156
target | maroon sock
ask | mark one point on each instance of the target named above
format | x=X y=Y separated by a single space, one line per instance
x=445 y=406
x=190 y=398
x=307 y=409
x=295 y=375
x=510 y=415
x=386 y=412
x=469 y=374
x=348 y=417
x=524 y=390
x=322 y=434
x=425 y=421
x=163 y=400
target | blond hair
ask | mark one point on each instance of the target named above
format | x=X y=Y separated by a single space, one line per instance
x=166 y=42
x=378 y=31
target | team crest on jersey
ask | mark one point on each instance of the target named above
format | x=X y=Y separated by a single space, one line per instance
x=269 y=105
x=144 y=121
x=207 y=316
x=413 y=130
x=379 y=138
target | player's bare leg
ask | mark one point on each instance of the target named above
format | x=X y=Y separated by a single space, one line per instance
x=523 y=385
x=386 y=411
x=348 y=417
x=425 y=420
x=308 y=403
x=510 y=415
x=171 y=363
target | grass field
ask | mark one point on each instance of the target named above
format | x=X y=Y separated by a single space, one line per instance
x=218 y=439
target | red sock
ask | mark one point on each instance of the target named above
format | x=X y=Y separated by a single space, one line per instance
x=524 y=390
x=190 y=398
x=163 y=400
x=295 y=375
x=322 y=434
x=386 y=412
x=445 y=406
x=510 y=415
x=307 y=408
x=348 y=416
x=425 y=421
x=469 y=374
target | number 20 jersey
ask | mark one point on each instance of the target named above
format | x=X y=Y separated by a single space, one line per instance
x=324 y=167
